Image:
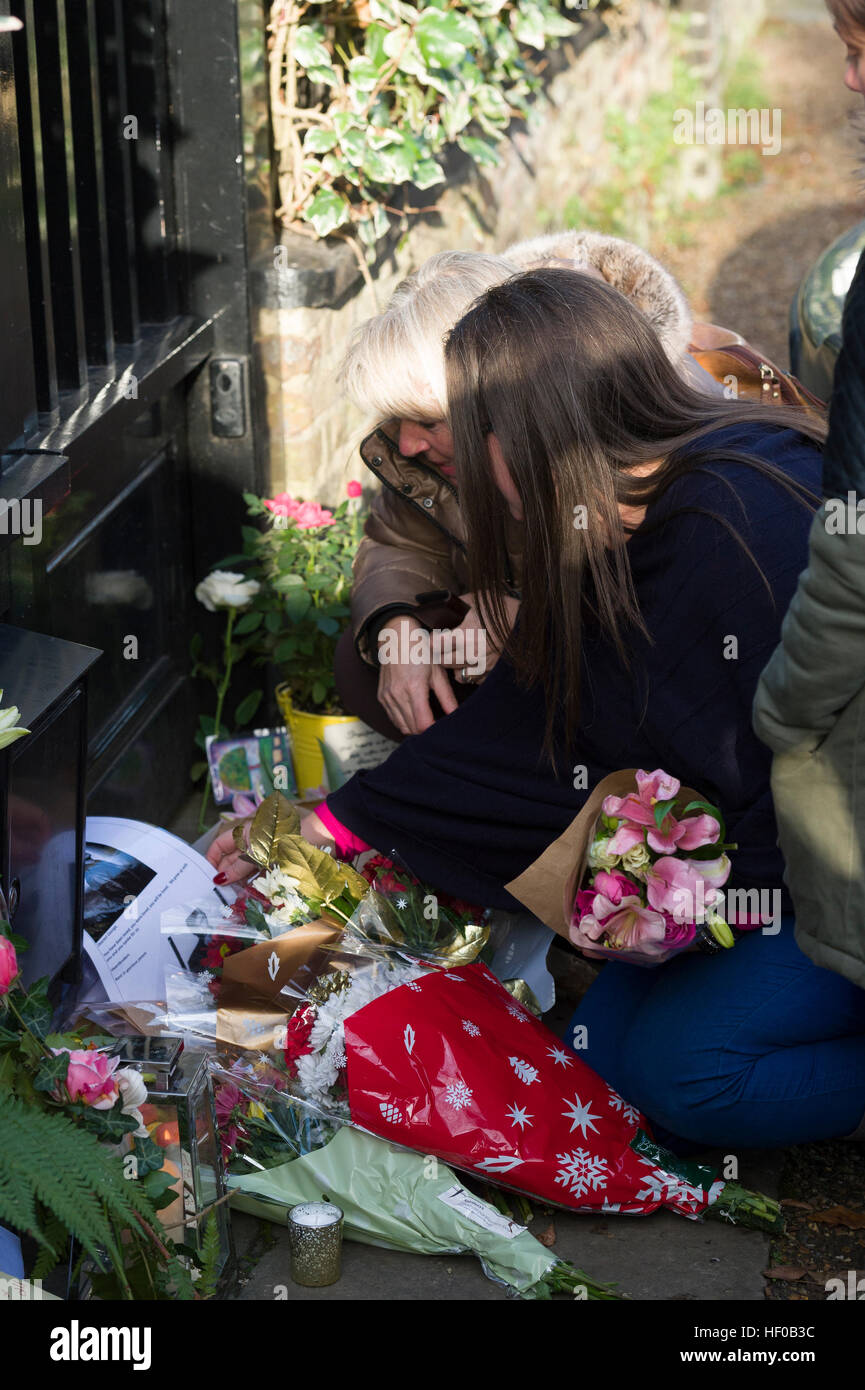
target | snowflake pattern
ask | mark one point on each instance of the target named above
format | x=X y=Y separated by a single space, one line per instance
x=630 y=1113
x=581 y=1116
x=517 y=1116
x=458 y=1094
x=402 y=903
x=471 y=1028
x=662 y=1186
x=582 y=1170
x=559 y=1056
x=516 y=1012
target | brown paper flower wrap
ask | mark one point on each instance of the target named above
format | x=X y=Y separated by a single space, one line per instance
x=548 y=887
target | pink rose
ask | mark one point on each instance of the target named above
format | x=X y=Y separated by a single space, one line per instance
x=8 y=964
x=90 y=1078
x=614 y=886
x=307 y=515
x=281 y=504
x=679 y=934
x=584 y=902
x=354 y=488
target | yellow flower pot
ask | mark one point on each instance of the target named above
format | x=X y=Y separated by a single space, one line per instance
x=351 y=745
x=307 y=735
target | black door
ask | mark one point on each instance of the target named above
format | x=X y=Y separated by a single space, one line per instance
x=126 y=422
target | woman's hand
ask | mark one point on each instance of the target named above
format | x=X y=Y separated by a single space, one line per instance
x=227 y=859
x=404 y=689
x=474 y=655
x=232 y=867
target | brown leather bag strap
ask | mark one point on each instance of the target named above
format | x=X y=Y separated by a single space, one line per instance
x=757 y=378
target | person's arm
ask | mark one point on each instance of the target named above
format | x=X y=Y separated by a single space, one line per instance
x=398 y=558
x=820 y=663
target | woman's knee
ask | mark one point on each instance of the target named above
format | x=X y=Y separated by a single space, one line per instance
x=677 y=1084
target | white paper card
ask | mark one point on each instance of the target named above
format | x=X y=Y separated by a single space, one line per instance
x=479 y=1213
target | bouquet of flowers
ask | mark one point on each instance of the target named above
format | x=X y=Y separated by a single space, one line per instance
x=400 y=911
x=280 y=1151
x=655 y=878
x=79 y=1172
x=638 y=874
x=229 y=986
x=448 y=1063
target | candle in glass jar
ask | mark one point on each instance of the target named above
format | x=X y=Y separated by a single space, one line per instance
x=315 y=1242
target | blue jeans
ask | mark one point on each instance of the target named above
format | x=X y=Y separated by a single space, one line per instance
x=755 y=1047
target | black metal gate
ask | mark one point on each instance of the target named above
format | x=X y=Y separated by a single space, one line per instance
x=126 y=411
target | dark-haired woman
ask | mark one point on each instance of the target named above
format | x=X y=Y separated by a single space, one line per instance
x=663 y=535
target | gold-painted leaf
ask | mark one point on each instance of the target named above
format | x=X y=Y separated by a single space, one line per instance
x=319 y=875
x=524 y=994
x=463 y=945
x=275 y=821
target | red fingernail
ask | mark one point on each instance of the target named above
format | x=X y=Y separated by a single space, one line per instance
x=220 y=878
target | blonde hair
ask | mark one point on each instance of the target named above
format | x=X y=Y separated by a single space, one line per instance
x=394 y=367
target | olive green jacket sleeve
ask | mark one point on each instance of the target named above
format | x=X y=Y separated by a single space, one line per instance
x=819 y=666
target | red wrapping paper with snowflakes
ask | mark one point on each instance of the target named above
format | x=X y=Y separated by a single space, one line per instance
x=452 y=1065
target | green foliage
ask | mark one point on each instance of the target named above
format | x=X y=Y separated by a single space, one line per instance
x=302 y=607
x=373 y=91
x=209 y=1275
x=57 y=1180
x=62 y=1176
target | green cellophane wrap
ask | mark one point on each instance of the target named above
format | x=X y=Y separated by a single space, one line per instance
x=393 y=1198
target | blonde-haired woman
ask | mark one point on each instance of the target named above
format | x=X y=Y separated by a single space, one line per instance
x=411 y=571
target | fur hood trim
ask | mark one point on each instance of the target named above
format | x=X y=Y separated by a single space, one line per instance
x=628 y=268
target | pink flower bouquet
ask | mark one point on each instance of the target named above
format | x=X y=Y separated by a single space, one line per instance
x=654 y=874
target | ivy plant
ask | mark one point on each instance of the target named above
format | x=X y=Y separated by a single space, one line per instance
x=366 y=95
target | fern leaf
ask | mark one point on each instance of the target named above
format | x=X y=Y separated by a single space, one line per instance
x=206 y=1286
x=45 y=1156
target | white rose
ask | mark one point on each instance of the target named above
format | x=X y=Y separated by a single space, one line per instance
x=636 y=860
x=599 y=854
x=224 y=589
x=130 y=1084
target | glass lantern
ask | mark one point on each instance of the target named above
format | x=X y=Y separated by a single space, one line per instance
x=180 y=1117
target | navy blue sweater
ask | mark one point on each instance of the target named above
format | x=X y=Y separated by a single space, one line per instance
x=469 y=803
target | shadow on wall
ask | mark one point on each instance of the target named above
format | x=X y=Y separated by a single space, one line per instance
x=755 y=283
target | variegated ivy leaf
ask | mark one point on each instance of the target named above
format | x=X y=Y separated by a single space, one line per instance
x=427 y=173
x=309 y=47
x=363 y=73
x=445 y=40
x=318 y=140
x=481 y=151
x=327 y=211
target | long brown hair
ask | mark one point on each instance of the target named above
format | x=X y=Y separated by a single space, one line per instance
x=574 y=383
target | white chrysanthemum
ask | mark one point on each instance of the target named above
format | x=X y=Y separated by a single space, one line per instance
x=280 y=888
x=318 y=1071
